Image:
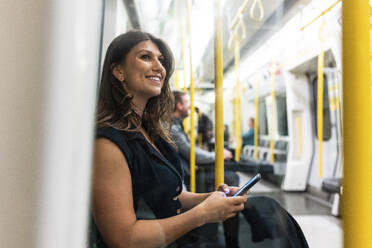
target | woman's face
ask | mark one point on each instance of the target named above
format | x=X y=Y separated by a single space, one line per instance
x=143 y=71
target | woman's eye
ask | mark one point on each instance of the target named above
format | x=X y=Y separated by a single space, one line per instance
x=161 y=60
x=145 y=56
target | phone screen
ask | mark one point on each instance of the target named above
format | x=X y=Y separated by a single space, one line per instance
x=248 y=185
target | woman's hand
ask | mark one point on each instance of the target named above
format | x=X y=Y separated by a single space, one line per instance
x=218 y=207
x=229 y=190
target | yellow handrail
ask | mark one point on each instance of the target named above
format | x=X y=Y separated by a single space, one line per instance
x=255 y=154
x=237 y=114
x=176 y=80
x=218 y=75
x=186 y=121
x=320 y=101
x=183 y=55
x=239 y=14
x=238 y=19
x=192 y=117
x=357 y=118
x=272 y=105
x=323 y=12
x=261 y=9
x=242 y=9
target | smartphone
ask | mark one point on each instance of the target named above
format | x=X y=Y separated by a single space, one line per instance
x=248 y=185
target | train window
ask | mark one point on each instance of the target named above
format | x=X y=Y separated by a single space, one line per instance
x=262 y=118
x=281 y=107
x=326 y=111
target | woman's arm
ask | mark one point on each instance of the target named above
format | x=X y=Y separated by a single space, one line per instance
x=189 y=200
x=114 y=214
x=113 y=205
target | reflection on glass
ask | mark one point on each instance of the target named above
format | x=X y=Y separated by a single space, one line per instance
x=281 y=106
x=326 y=111
x=262 y=118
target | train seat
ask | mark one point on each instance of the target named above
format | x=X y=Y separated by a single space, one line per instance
x=334 y=187
x=263 y=149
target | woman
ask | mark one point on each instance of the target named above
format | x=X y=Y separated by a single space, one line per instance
x=135 y=165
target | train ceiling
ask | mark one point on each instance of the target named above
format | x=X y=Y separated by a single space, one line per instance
x=167 y=19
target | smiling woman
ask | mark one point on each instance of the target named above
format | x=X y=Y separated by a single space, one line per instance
x=135 y=84
x=137 y=190
x=137 y=196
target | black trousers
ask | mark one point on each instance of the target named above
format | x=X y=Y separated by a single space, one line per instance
x=268 y=220
x=269 y=223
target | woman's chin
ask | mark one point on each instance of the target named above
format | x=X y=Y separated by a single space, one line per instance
x=154 y=93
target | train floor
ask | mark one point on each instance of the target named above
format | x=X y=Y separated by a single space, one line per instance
x=320 y=228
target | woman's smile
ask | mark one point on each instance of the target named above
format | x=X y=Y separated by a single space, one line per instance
x=157 y=80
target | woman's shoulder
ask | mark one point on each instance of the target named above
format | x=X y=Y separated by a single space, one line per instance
x=120 y=138
x=113 y=132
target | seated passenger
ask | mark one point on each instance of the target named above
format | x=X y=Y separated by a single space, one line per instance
x=205 y=128
x=226 y=135
x=202 y=157
x=248 y=137
x=137 y=197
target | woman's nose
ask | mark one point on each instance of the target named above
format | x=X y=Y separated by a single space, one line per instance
x=158 y=66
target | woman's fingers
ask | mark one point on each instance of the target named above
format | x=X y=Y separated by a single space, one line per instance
x=230 y=215
x=224 y=188
x=238 y=199
x=239 y=207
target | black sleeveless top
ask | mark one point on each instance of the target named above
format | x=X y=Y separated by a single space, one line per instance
x=156 y=178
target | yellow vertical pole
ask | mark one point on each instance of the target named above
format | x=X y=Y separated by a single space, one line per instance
x=183 y=55
x=176 y=80
x=272 y=94
x=357 y=193
x=255 y=154
x=320 y=101
x=186 y=121
x=192 y=115
x=238 y=135
x=218 y=75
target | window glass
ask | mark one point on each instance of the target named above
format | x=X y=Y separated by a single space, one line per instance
x=326 y=110
x=281 y=109
x=262 y=117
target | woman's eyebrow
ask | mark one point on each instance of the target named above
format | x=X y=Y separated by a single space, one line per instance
x=145 y=50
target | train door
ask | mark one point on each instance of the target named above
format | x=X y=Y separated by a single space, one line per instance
x=331 y=164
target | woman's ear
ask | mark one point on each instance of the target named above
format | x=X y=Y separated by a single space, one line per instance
x=118 y=73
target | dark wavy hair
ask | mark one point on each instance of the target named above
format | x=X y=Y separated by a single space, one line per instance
x=115 y=107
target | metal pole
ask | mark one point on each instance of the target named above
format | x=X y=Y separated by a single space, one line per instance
x=357 y=202
x=320 y=101
x=218 y=74
x=192 y=117
x=237 y=114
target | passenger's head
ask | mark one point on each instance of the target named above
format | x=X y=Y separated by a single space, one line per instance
x=137 y=66
x=181 y=104
x=251 y=122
